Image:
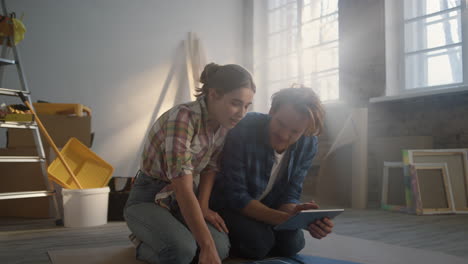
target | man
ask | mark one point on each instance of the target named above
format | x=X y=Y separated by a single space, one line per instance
x=265 y=160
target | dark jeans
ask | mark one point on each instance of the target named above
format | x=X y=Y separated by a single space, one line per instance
x=257 y=240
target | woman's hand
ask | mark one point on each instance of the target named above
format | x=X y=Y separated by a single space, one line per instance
x=215 y=219
x=208 y=256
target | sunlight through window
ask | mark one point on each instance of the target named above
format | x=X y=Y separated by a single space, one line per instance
x=302 y=46
x=433 y=43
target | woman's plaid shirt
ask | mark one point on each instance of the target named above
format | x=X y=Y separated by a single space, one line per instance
x=180 y=142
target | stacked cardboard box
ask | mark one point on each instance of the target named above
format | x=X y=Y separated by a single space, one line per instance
x=28 y=176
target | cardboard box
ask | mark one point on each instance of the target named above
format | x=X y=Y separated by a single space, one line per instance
x=22 y=177
x=60 y=127
x=28 y=176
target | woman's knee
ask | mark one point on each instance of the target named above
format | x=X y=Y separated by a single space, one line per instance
x=223 y=245
x=156 y=227
x=179 y=252
x=182 y=252
x=223 y=249
x=135 y=218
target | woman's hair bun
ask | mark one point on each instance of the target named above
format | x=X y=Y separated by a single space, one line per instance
x=208 y=72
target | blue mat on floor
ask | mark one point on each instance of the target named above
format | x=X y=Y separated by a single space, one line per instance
x=300 y=259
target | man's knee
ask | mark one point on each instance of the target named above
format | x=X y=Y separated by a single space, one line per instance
x=255 y=251
x=254 y=245
x=290 y=246
x=249 y=238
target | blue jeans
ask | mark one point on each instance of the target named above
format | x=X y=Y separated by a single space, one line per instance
x=256 y=240
x=164 y=234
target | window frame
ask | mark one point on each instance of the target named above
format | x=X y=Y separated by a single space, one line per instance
x=316 y=76
x=463 y=44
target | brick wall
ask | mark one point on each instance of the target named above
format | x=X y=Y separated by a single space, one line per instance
x=443 y=117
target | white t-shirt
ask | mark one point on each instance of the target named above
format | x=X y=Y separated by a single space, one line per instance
x=274 y=173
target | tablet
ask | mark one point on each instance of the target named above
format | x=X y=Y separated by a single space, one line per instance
x=306 y=217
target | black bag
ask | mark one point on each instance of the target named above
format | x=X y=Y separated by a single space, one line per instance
x=118 y=198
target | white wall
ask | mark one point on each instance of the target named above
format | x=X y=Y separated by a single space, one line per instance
x=115 y=57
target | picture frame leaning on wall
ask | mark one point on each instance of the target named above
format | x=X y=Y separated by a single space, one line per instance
x=457 y=174
x=393 y=187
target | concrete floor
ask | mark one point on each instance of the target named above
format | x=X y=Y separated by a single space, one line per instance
x=27 y=241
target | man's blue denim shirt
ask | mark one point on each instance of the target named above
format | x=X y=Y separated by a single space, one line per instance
x=246 y=165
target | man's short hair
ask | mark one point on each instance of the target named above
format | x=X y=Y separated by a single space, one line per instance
x=305 y=101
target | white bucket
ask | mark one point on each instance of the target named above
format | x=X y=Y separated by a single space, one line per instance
x=85 y=207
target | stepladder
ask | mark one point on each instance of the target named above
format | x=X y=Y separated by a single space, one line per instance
x=10 y=58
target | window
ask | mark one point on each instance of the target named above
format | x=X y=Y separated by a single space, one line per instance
x=425 y=45
x=433 y=43
x=300 y=46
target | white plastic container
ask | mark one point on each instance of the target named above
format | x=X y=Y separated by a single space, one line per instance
x=85 y=207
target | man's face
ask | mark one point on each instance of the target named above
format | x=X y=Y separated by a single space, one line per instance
x=286 y=127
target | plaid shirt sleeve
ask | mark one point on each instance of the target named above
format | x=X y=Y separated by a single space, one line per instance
x=213 y=164
x=179 y=133
x=294 y=189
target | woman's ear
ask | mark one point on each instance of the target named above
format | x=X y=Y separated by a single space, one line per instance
x=213 y=94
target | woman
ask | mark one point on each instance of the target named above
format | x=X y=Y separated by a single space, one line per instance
x=166 y=210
